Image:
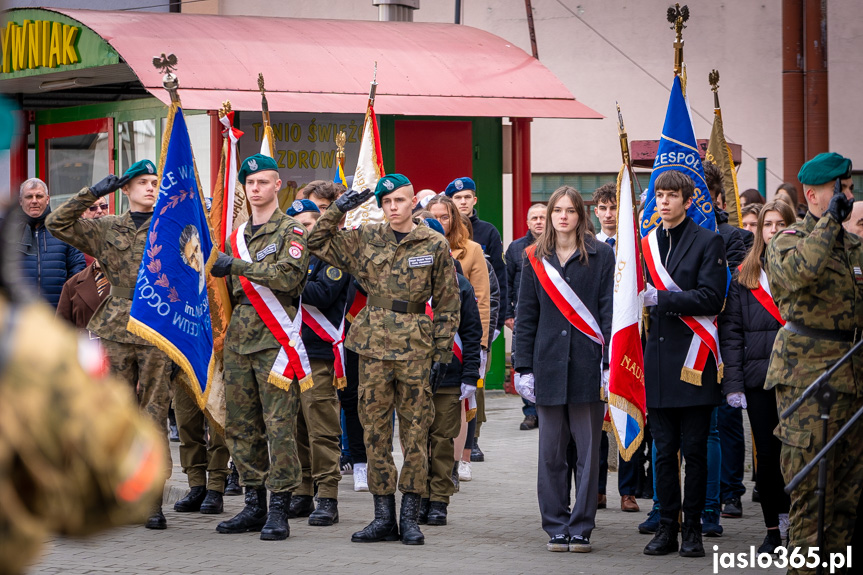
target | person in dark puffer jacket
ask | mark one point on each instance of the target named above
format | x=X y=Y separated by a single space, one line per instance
x=747 y=330
x=46 y=262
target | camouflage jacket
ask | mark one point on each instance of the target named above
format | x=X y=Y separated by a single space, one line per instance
x=814 y=269
x=418 y=268
x=273 y=266
x=119 y=247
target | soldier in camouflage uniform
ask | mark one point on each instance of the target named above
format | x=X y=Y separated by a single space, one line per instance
x=814 y=269
x=403 y=353
x=261 y=408
x=118 y=243
x=61 y=469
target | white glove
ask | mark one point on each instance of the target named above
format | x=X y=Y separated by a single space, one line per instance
x=524 y=387
x=736 y=399
x=606 y=375
x=467 y=391
x=483 y=359
x=650 y=296
x=496 y=333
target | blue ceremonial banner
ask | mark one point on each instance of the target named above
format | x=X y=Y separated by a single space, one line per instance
x=170 y=306
x=678 y=150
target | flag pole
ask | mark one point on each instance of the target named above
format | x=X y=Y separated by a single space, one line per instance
x=627 y=162
x=341 y=138
x=678 y=16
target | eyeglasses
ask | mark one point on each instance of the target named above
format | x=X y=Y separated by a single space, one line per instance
x=94 y=207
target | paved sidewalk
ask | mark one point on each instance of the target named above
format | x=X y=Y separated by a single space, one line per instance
x=494 y=527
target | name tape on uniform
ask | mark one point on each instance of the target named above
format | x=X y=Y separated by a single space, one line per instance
x=421 y=261
x=270 y=249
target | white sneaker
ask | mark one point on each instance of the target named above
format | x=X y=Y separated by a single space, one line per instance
x=783 y=526
x=464 y=473
x=361 y=480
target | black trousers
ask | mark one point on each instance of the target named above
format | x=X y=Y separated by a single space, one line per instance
x=683 y=429
x=763 y=418
x=349 y=396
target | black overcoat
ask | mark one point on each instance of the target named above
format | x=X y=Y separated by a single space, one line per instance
x=567 y=365
x=697 y=265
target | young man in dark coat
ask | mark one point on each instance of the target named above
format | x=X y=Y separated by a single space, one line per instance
x=681 y=394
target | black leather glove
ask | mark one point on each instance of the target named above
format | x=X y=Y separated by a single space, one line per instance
x=840 y=207
x=107 y=185
x=438 y=371
x=352 y=199
x=222 y=265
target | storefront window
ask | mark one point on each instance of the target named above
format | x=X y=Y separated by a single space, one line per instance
x=136 y=141
x=75 y=162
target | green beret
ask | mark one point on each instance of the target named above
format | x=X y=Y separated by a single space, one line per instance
x=824 y=168
x=255 y=164
x=389 y=184
x=141 y=168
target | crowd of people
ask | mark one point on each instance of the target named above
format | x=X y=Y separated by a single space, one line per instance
x=418 y=301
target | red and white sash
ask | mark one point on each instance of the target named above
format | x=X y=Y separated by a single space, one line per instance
x=292 y=361
x=357 y=306
x=318 y=323
x=765 y=298
x=563 y=296
x=456 y=348
x=705 y=338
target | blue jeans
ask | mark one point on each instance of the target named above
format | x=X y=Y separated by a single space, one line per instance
x=529 y=408
x=733 y=444
x=714 y=464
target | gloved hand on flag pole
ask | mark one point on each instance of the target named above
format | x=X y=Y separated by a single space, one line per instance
x=650 y=295
x=524 y=387
x=467 y=390
x=222 y=265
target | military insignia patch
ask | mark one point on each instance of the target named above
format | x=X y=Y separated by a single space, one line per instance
x=459 y=185
x=295 y=252
x=334 y=274
x=389 y=185
x=150 y=169
x=270 y=249
x=297 y=206
x=421 y=261
x=253 y=165
x=299 y=231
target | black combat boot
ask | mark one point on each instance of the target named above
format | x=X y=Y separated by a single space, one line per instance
x=410 y=531
x=252 y=517
x=476 y=454
x=326 y=514
x=232 y=482
x=665 y=539
x=301 y=506
x=277 y=528
x=423 y=516
x=691 y=545
x=157 y=519
x=383 y=527
x=213 y=503
x=437 y=513
x=192 y=501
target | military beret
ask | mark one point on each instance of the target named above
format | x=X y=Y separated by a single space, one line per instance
x=255 y=164
x=300 y=206
x=389 y=184
x=824 y=168
x=140 y=168
x=435 y=225
x=459 y=185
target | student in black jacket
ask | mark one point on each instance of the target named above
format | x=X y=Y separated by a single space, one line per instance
x=748 y=327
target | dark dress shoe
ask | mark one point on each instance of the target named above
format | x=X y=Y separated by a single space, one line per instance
x=530 y=422
x=665 y=539
x=301 y=506
x=476 y=453
x=192 y=501
x=437 y=513
x=213 y=503
x=157 y=520
x=691 y=545
x=326 y=513
x=601 y=501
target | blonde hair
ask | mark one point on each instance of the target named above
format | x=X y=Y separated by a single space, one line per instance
x=750 y=269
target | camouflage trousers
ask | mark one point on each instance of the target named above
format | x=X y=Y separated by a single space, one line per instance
x=403 y=385
x=147 y=370
x=801 y=438
x=444 y=428
x=258 y=411
x=319 y=429
x=203 y=452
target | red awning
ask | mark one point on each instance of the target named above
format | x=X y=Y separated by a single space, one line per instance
x=326 y=65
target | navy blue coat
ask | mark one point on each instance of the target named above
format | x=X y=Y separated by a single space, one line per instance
x=567 y=365
x=488 y=237
x=746 y=334
x=46 y=262
x=470 y=333
x=514 y=263
x=697 y=265
x=327 y=290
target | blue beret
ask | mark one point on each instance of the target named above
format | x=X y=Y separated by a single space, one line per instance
x=255 y=164
x=142 y=167
x=824 y=168
x=435 y=225
x=300 y=206
x=389 y=184
x=459 y=185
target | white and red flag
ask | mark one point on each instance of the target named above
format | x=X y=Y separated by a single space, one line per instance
x=370 y=168
x=626 y=397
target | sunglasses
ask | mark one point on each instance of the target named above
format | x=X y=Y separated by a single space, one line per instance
x=94 y=207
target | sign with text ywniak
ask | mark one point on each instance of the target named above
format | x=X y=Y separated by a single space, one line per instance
x=34 y=42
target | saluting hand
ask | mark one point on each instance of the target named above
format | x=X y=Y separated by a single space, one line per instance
x=107 y=185
x=352 y=199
